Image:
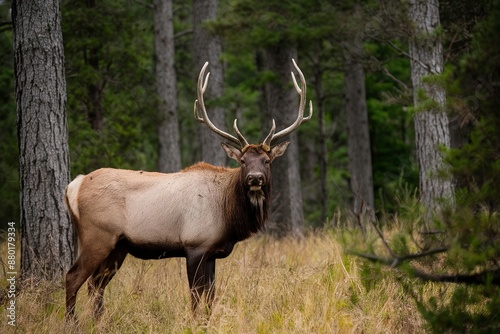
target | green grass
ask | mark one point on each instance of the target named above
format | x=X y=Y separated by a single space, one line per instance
x=264 y=286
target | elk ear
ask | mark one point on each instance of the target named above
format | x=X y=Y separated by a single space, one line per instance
x=232 y=152
x=278 y=150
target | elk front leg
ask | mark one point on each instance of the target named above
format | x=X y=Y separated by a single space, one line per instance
x=210 y=282
x=197 y=276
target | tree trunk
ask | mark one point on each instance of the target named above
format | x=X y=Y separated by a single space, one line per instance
x=208 y=47
x=46 y=232
x=431 y=120
x=322 y=152
x=287 y=217
x=169 y=155
x=358 y=142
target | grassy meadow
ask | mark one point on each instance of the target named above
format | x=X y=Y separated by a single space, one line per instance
x=264 y=286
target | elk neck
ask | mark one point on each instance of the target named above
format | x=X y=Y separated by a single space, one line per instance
x=246 y=211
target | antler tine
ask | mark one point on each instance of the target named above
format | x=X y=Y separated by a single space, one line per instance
x=201 y=87
x=302 y=90
x=242 y=139
x=199 y=105
x=269 y=137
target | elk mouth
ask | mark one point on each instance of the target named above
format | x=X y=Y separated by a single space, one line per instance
x=255 y=188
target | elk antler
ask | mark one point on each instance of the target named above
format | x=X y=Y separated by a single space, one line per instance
x=202 y=86
x=300 y=117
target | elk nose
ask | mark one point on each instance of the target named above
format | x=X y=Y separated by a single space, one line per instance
x=255 y=179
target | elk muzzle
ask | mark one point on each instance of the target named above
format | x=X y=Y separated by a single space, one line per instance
x=255 y=181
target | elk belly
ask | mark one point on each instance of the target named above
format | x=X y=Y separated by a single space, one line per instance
x=151 y=251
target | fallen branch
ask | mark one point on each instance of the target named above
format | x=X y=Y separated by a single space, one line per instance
x=396 y=260
x=481 y=278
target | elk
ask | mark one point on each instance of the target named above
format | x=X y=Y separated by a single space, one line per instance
x=199 y=213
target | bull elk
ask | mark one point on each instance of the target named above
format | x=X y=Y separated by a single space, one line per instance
x=199 y=213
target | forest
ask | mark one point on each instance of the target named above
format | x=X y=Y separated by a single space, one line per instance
x=399 y=165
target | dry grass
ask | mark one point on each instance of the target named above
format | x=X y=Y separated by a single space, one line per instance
x=265 y=286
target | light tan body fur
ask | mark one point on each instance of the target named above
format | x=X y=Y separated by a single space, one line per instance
x=179 y=209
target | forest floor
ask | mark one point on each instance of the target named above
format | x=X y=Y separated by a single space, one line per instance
x=264 y=286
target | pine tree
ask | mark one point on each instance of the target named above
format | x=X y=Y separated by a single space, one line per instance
x=46 y=231
x=169 y=156
x=207 y=46
x=431 y=119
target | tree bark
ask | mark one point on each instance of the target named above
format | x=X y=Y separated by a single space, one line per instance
x=208 y=47
x=169 y=155
x=431 y=119
x=287 y=217
x=358 y=142
x=322 y=153
x=46 y=231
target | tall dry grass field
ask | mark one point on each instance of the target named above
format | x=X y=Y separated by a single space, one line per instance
x=264 y=286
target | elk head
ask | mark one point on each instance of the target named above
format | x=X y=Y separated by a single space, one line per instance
x=254 y=160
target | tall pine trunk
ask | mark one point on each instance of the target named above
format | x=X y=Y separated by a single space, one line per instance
x=431 y=119
x=169 y=155
x=358 y=141
x=46 y=231
x=321 y=151
x=208 y=47
x=287 y=217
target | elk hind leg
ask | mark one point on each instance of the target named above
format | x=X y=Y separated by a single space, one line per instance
x=102 y=276
x=86 y=263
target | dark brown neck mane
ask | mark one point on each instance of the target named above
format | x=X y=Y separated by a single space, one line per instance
x=245 y=216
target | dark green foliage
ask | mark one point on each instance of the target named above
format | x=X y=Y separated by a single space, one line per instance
x=109 y=66
x=476 y=164
x=241 y=95
x=391 y=128
x=269 y=23
x=468 y=310
x=472 y=233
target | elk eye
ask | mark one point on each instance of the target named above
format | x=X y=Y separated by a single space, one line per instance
x=267 y=161
x=242 y=162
